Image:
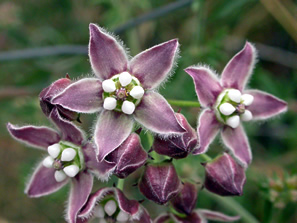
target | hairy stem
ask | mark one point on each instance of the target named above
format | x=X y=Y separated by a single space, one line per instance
x=184 y=103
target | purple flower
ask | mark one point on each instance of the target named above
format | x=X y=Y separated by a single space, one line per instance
x=179 y=146
x=160 y=182
x=123 y=90
x=226 y=102
x=69 y=156
x=224 y=176
x=48 y=93
x=111 y=205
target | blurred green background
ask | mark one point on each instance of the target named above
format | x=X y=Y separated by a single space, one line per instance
x=210 y=32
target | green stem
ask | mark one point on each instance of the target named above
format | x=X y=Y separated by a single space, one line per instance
x=231 y=204
x=157 y=158
x=207 y=158
x=120 y=184
x=184 y=103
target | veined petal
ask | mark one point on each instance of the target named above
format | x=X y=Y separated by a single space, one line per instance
x=70 y=132
x=239 y=69
x=153 y=65
x=43 y=182
x=81 y=188
x=191 y=218
x=208 y=128
x=238 y=144
x=111 y=131
x=107 y=55
x=216 y=216
x=207 y=85
x=83 y=96
x=155 y=114
x=54 y=88
x=35 y=136
x=265 y=105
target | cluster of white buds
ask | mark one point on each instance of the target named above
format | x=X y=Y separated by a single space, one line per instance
x=122 y=93
x=231 y=107
x=65 y=158
x=109 y=211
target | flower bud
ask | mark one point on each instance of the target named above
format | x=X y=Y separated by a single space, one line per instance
x=159 y=182
x=51 y=91
x=224 y=176
x=180 y=146
x=186 y=199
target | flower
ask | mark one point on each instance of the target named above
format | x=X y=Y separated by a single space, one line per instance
x=111 y=205
x=224 y=176
x=179 y=146
x=159 y=182
x=123 y=90
x=70 y=156
x=226 y=102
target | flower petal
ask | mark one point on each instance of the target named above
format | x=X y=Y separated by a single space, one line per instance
x=207 y=85
x=81 y=188
x=239 y=69
x=84 y=96
x=70 y=132
x=35 y=136
x=107 y=55
x=155 y=114
x=216 y=216
x=191 y=218
x=112 y=129
x=265 y=105
x=153 y=65
x=208 y=128
x=238 y=144
x=43 y=182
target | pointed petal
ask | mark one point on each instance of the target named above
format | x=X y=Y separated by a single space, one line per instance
x=155 y=114
x=238 y=144
x=102 y=170
x=83 y=96
x=81 y=188
x=208 y=128
x=70 y=132
x=111 y=131
x=43 y=182
x=35 y=136
x=239 y=69
x=54 y=88
x=163 y=218
x=107 y=55
x=153 y=65
x=216 y=216
x=265 y=105
x=191 y=218
x=207 y=85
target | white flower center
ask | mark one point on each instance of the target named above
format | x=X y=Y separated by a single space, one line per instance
x=231 y=106
x=66 y=158
x=123 y=92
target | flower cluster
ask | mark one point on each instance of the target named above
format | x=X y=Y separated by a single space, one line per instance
x=124 y=94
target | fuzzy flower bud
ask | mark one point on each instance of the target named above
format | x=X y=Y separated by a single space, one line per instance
x=160 y=182
x=224 y=176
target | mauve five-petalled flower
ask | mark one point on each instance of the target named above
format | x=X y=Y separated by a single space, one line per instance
x=123 y=90
x=226 y=102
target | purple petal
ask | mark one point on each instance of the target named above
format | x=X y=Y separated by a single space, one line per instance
x=207 y=85
x=216 y=216
x=37 y=137
x=102 y=170
x=153 y=65
x=265 y=105
x=192 y=218
x=43 y=182
x=83 y=96
x=70 y=132
x=163 y=218
x=238 y=144
x=81 y=188
x=239 y=69
x=128 y=157
x=107 y=55
x=208 y=128
x=155 y=114
x=144 y=217
x=54 y=88
x=112 y=129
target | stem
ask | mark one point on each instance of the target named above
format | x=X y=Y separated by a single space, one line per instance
x=184 y=103
x=157 y=158
x=120 y=184
x=207 y=158
x=230 y=203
